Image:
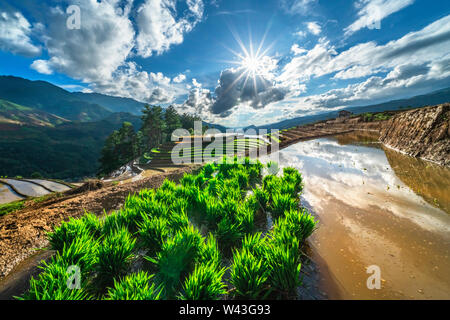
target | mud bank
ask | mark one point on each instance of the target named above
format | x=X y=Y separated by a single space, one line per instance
x=422 y=133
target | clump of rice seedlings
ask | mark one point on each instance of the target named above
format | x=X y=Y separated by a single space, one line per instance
x=214 y=185
x=153 y=232
x=272 y=185
x=81 y=252
x=262 y=196
x=52 y=283
x=292 y=176
x=284 y=266
x=208 y=170
x=229 y=189
x=256 y=244
x=249 y=275
x=245 y=217
x=242 y=178
x=114 y=256
x=176 y=257
x=67 y=232
x=200 y=180
x=229 y=208
x=136 y=286
x=204 y=283
x=165 y=197
x=178 y=221
x=213 y=212
x=228 y=234
x=273 y=167
x=187 y=180
x=93 y=224
x=146 y=194
x=168 y=186
x=209 y=252
x=298 y=222
x=117 y=220
x=282 y=203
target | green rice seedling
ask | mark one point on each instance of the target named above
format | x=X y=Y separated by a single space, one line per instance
x=178 y=221
x=168 y=186
x=282 y=203
x=52 y=283
x=114 y=256
x=165 y=196
x=67 y=232
x=153 y=232
x=284 y=267
x=213 y=212
x=209 y=252
x=187 y=180
x=242 y=178
x=229 y=208
x=146 y=194
x=230 y=190
x=136 y=286
x=298 y=222
x=81 y=252
x=200 y=199
x=208 y=170
x=292 y=176
x=252 y=202
x=272 y=167
x=249 y=275
x=117 y=220
x=254 y=174
x=256 y=244
x=272 y=184
x=204 y=283
x=228 y=234
x=93 y=224
x=176 y=258
x=245 y=217
x=214 y=185
x=262 y=196
x=288 y=188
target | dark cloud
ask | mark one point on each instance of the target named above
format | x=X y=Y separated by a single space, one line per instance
x=237 y=86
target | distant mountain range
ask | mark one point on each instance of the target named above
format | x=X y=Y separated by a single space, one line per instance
x=75 y=106
x=433 y=98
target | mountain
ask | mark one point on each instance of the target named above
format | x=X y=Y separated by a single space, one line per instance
x=433 y=98
x=114 y=104
x=65 y=151
x=75 y=106
x=17 y=114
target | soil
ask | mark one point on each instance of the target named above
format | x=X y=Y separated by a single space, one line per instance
x=24 y=231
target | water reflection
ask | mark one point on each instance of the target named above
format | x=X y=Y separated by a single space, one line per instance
x=7 y=195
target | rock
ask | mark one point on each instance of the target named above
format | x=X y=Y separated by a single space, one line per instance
x=422 y=133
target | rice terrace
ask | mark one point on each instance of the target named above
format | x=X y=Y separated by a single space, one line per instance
x=218 y=159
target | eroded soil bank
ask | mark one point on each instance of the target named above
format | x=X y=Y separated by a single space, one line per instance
x=374 y=210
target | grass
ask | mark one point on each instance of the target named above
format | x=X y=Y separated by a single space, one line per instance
x=195 y=240
x=11 y=207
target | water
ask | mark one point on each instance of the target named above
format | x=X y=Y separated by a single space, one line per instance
x=27 y=188
x=376 y=207
x=54 y=186
x=7 y=194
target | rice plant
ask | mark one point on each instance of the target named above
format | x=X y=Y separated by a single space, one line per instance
x=208 y=170
x=153 y=232
x=125 y=218
x=81 y=252
x=282 y=203
x=284 y=267
x=67 y=232
x=136 y=286
x=291 y=175
x=176 y=257
x=52 y=283
x=114 y=256
x=298 y=222
x=256 y=244
x=262 y=196
x=204 y=283
x=209 y=252
x=245 y=217
x=228 y=234
x=249 y=275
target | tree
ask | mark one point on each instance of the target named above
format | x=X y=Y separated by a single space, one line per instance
x=152 y=126
x=172 y=121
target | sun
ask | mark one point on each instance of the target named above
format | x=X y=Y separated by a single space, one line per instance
x=252 y=64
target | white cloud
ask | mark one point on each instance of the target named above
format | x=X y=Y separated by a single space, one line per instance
x=314 y=28
x=371 y=12
x=179 y=78
x=15 y=32
x=159 y=27
x=41 y=66
x=297 y=50
x=298 y=6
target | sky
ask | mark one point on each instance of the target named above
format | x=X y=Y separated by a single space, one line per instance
x=232 y=62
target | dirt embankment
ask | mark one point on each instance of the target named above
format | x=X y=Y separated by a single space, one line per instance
x=24 y=231
x=423 y=133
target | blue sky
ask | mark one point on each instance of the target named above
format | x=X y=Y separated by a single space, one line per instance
x=315 y=55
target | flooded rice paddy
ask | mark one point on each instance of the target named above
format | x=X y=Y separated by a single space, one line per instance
x=376 y=207
x=7 y=194
x=28 y=188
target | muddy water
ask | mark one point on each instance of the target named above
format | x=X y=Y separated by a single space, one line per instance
x=376 y=207
x=7 y=194
x=54 y=186
x=28 y=188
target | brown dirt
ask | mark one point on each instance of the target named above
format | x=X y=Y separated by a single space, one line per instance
x=24 y=231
